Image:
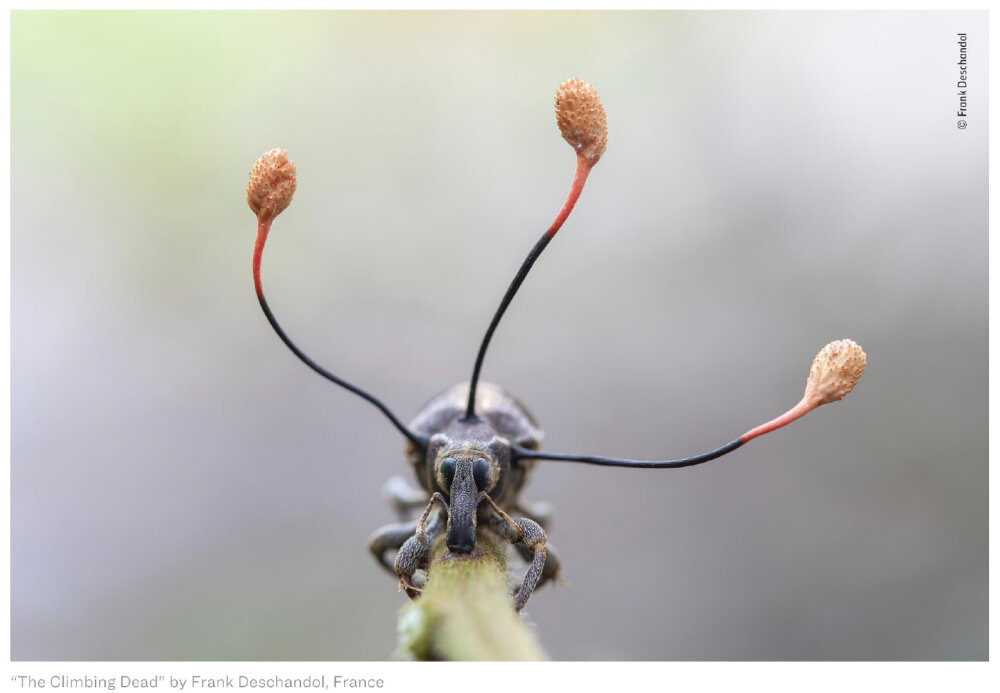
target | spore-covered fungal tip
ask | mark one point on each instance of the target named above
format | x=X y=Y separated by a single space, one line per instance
x=581 y=118
x=272 y=184
x=835 y=371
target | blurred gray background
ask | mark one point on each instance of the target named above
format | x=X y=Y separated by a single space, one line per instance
x=184 y=488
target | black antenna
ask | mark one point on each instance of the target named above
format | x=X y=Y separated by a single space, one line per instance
x=526 y=453
x=272 y=183
x=583 y=124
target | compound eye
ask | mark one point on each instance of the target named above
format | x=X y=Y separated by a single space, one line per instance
x=481 y=473
x=447 y=472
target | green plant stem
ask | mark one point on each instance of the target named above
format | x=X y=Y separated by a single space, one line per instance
x=465 y=612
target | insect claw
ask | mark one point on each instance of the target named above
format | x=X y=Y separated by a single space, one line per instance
x=412 y=591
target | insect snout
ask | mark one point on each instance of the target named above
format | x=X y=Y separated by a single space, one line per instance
x=466 y=477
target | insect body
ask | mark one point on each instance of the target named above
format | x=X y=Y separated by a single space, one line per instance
x=472 y=447
x=469 y=470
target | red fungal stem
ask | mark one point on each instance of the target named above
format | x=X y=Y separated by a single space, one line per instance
x=799 y=410
x=263 y=227
x=583 y=166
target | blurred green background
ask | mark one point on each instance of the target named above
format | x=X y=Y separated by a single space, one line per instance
x=183 y=488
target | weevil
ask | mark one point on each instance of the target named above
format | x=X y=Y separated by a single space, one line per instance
x=473 y=447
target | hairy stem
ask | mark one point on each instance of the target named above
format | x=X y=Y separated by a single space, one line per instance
x=465 y=612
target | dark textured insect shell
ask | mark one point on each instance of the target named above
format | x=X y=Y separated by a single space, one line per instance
x=508 y=416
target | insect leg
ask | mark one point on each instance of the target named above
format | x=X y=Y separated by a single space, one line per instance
x=552 y=562
x=415 y=553
x=390 y=538
x=526 y=532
